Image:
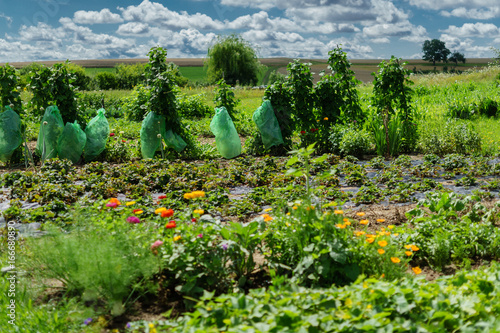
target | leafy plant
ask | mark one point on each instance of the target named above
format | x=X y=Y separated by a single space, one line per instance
x=224 y=97
x=9 y=93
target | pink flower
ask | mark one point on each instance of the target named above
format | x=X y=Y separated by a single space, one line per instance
x=133 y=219
x=112 y=204
x=200 y=236
x=156 y=244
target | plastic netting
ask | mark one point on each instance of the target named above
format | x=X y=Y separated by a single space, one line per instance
x=97 y=132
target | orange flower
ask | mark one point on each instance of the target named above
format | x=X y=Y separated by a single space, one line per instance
x=381 y=251
x=266 y=217
x=416 y=270
x=341 y=226
x=338 y=212
x=380 y=220
x=360 y=214
x=395 y=260
x=408 y=253
x=171 y=225
x=414 y=248
x=370 y=240
x=345 y=219
x=167 y=213
x=363 y=222
x=115 y=200
x=382 y=243
x=347 y=223
x=371 y=236
x=408 y=247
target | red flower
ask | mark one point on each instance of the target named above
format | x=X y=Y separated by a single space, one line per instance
x=167 y=213
x=124 y=140
x=313 y=130
x=193 y=219
x=162 y=197
x=111 y=134
x=302 y=132
x=171 y=225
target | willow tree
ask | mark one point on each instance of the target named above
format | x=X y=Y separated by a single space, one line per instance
x=233 y=59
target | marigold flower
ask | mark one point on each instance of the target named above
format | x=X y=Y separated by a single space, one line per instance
x=361 y=214
x=395 y=260
x=340 y=226
x=295 y=207
x=408 y=253
x=380 y=220
x=129 y=203
x=347 y=222
x=133 y=219
x=326 y=118
x=171 y=225
x=416 y=270
x=156 y=244
x=415 y=248
x=338 y=212
x=167 y=213
x=408 y=247
x=188 y=196
x=363 y=222
x=370 y=239
x=198 y=194
x=267 y=217
x=381 y=251
x=382 y=243
x=390 y=226
x=176 y=238
x=160 y=210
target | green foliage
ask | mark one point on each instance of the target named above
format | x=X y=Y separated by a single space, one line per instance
x=435 y=50
x=106 y=81
x=391 y=92
x=279 y=96
x=54 y=86
x=9 y=90
x=300 y=86
x=135 y=105
x=233 y=59
x=82 y=80
x=449 y=137
x=355 y=142
x=193 y=106
x=224 y=97
x=129 y=76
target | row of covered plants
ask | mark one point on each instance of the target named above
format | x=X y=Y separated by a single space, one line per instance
x=177 y=250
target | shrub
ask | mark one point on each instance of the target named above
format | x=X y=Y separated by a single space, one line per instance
x=460 y=110
x=487 y=107
x=106 y=80
x=224 y=97
x=450 y=137
x=193 y=107
x=355 y=142
x=135 y=106
x=82 y=80
x=9 y=94
x=129 y=76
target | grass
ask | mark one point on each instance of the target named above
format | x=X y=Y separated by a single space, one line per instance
x=194 y=73
x=93 y=71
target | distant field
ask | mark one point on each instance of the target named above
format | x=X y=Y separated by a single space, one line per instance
x=192 y=68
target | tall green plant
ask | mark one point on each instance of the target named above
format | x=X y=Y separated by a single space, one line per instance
x=54 y=86
x=224 y=97
x=9 y=94
x=391 y=92
x=279 y=96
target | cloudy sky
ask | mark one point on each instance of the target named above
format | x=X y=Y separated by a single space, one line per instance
x=68 y=29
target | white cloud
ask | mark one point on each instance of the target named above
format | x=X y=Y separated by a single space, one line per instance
x=480 y=30
x=7 y=18
x=155 y=13
x=443 y=4
x=93 y=17
x=41 y=33
x=477 y=14
x=133 y=28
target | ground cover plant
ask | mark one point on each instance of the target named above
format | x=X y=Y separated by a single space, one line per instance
x=323 y=234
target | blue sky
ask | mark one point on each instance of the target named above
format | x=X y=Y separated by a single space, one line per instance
x=33 y=30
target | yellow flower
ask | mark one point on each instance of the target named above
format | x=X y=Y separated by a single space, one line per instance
x=266 y=217
x=395 y=260
x=408 y=253
x=381 y=251
x=340 y=226
x=414 y=248
x=408 y=247
x=268 y=209
x=138 y=211
x=130 y=203
x=198 y=211
x=370 y=240
x=199 y=194
x=361 y=214
x=325 y=119
x=363 y=222
x=288 y=213
x=416 y=270
x=382 y=243
x=347 y=223
x=287 y=224
x=338 y=212
x=160 y=210
x=390 y=227
x=295 y=207
x=176 y=238
x=188 y=196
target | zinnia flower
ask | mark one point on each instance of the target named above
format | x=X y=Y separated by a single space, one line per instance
x=167 y=213
x=176 y=238
x=111 y=134
x=113 y=202
x=171 y=225
x=138 y=211
x=198 y=211
x=156 y=244
x=129 y=203
x=302 y=132
x=162 y=197
x=160 y=210
x=133 y=219
x=416 y=270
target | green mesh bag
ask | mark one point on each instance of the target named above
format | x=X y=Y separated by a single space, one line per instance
x=152 y=126
x=71 y=143
x=268 y=125
x=97 y=132
x=226 y=138
x=50 y=130
x=10 y=133
x=174 y=141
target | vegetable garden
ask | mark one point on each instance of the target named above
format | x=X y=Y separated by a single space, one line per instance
x=335 y=207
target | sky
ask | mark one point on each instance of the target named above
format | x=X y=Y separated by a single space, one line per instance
x=32 y=30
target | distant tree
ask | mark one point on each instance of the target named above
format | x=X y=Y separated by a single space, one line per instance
x=435 y=50
x=456 y=57
x=233 y=59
